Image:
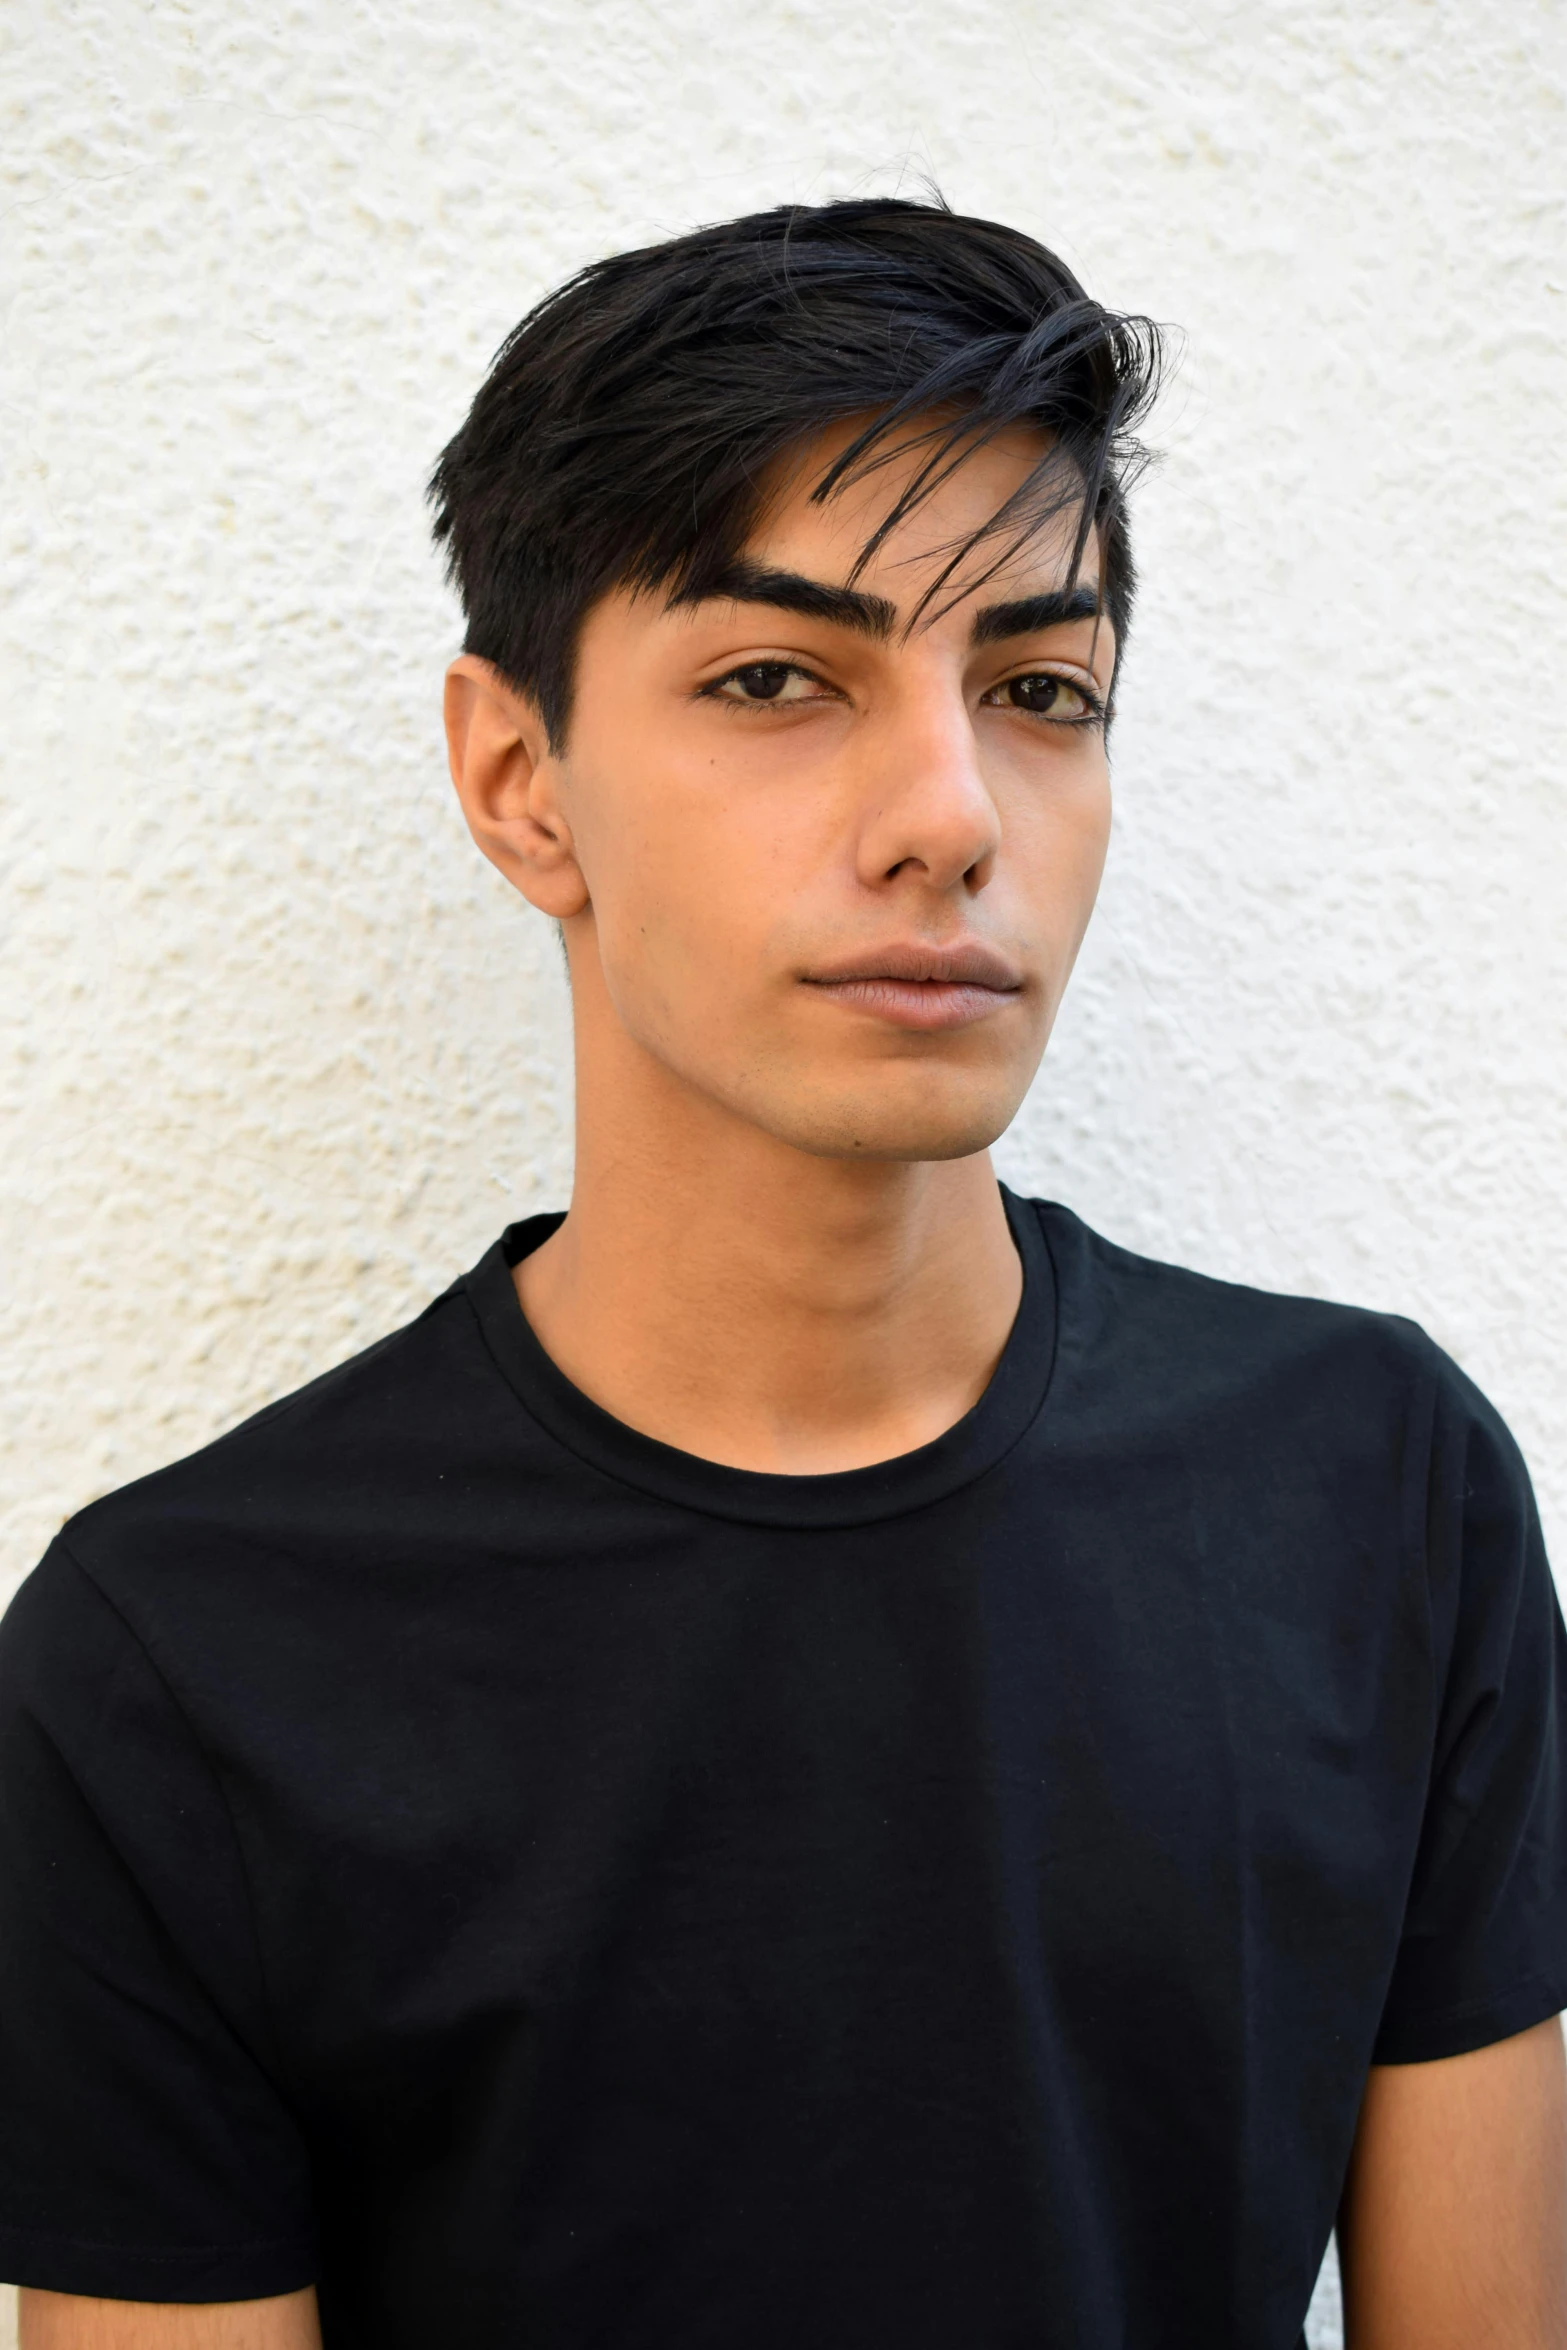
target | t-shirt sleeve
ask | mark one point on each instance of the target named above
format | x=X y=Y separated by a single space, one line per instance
x=147 y=2150
x=1484 y=1947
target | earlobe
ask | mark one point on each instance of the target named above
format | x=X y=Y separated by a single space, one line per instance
x=508 y=781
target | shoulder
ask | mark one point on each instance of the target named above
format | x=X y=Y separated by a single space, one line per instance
x=1139 y=1297
x=357 y=1420
x=316 y=1492
x=1223 y=1358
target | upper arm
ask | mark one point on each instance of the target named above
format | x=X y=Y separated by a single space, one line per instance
x=149 y=2147
x=1453 y=2228
x=67 y=2321
x=1453 y=2231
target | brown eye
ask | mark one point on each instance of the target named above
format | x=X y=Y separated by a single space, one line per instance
x=763 y=681
x=768 y=681
x=1047 y=697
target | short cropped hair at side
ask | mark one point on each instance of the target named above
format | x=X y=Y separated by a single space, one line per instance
x=623 y=436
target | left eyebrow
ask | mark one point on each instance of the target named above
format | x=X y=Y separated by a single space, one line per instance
x=1027 y=615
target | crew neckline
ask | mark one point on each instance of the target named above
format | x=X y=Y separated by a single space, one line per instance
x=839 y=1497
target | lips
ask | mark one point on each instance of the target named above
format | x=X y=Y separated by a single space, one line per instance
x=922 y=987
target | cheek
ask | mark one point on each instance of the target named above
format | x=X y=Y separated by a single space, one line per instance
x=1060 y=832
x=1095 y=830
x=1090 y=843
x=687 y=882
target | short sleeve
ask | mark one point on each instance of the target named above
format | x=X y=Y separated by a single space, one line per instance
x=147 y=2152
x=1484 y=1947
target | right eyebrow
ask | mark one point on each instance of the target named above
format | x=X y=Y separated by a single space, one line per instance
x=791 y=591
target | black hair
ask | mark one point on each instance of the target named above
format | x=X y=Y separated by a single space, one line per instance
x=623 y=434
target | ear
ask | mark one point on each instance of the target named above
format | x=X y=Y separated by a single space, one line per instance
x=508 y=781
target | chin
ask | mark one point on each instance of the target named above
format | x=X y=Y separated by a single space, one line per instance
x=940 y=1125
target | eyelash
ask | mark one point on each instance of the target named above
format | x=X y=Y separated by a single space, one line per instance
x=1094 y=716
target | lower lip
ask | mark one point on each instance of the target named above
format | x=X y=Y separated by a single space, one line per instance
x=928 y=1004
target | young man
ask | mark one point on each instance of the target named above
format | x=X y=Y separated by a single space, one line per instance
x=814 y=1756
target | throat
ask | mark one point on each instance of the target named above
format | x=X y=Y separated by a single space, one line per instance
x=788 y=1346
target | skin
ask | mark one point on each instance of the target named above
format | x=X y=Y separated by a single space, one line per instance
x=67 y=2321
x=1453 y=2232
x=785 y=1248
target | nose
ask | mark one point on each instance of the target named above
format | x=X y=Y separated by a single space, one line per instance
x=927 y=810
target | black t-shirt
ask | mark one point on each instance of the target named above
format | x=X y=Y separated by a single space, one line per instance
x=553 y=1890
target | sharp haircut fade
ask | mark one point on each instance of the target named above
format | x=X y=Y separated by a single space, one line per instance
x=624 y=433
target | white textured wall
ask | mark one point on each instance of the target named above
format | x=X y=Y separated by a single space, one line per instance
x=281 y=1054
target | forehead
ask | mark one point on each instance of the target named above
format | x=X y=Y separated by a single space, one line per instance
x=957 y=491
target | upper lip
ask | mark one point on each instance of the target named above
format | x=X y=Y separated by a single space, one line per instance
x=969 y=964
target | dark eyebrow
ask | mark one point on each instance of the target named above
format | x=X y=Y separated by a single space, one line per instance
x=790 y=591
x=1028 y=614
x=742 y=582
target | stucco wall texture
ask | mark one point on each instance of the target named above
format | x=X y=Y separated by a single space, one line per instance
x=281 y=1053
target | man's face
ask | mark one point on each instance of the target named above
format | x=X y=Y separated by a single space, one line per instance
x=837 y=874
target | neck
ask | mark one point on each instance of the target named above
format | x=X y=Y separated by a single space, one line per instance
x=754 y=1304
